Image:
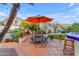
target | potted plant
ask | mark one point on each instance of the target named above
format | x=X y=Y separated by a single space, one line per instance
x=60 y=38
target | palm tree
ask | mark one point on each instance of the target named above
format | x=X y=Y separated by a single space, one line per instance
x=12 y=15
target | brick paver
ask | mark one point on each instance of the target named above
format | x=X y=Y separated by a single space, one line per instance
x=27 y=48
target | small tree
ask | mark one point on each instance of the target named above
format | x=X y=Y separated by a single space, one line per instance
x=25 y=24
x=74 y=28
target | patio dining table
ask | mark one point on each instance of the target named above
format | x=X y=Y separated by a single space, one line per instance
x=39 y=39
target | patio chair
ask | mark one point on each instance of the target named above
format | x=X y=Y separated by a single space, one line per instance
x=33 y=39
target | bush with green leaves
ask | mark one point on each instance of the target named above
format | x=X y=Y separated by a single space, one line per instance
x=24 y=24
x=42 y=31
x=74 y=28
x=16 y=34
x=31 y=26
x=57 y=36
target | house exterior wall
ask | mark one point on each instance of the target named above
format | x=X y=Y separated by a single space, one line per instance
x=15 y=24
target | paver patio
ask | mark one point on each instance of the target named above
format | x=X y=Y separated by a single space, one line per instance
x=27 y=48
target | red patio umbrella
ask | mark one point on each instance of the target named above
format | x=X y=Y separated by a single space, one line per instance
x=39 y=19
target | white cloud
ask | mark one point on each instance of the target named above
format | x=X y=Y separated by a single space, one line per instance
x=70 y=16
x=3 y=14
x=71 y=4
x=76 y=10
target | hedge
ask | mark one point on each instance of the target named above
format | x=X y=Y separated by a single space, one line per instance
x=57 y=36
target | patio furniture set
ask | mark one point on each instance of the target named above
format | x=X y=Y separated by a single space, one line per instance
x=39 y=39
x=39 y=19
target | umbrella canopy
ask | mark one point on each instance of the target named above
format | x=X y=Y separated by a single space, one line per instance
x=39 y=19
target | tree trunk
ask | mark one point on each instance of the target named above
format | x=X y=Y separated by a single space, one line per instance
x=10 y=20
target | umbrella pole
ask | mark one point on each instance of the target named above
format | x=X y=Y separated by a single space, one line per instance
x=46 y=29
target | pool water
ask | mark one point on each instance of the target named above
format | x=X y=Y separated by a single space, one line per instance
x=73 y=35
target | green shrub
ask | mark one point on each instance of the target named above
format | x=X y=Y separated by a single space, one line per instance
x=57 y=36
x=24 y=24
x=42 y=32
x=16 y=34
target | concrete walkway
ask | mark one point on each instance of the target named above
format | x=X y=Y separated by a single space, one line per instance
x=8 y=52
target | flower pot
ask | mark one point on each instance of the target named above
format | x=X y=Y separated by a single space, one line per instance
x=7 y=40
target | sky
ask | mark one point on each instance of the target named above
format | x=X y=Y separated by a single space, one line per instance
x=66 y=13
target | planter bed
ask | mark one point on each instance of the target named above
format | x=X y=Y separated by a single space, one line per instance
x=57 y=36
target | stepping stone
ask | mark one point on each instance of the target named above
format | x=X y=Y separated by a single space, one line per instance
x=8 y=52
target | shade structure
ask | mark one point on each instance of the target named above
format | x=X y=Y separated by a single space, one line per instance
x=39 y=19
